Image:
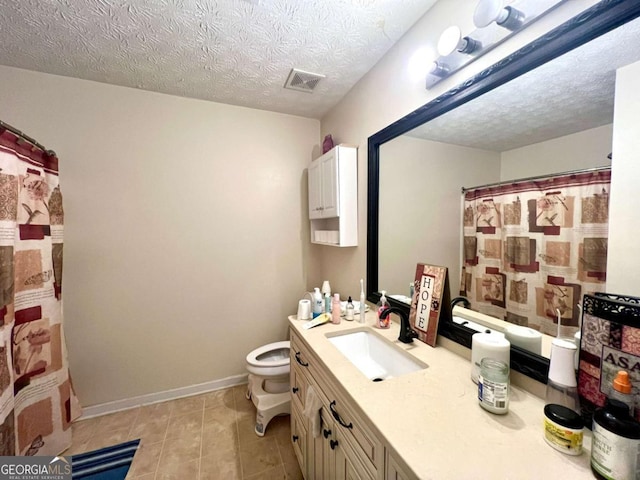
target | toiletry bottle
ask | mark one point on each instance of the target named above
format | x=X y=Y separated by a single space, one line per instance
x=382 y=305
x=326 y=288
x=563 y=429
x=621 y=390
x=615 y=447
x=363 y=305
x=335 y=309
x=349 y=310
x=317 y=302
x=326 y=294
x=562 y=387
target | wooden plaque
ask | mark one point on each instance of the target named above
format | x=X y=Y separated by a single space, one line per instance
x=430 y=284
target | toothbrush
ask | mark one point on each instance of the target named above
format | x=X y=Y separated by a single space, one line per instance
x=362 y=301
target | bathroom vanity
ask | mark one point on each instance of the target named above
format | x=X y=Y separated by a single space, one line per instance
x=422 y=422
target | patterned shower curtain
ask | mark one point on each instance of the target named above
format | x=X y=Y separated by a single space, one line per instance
x=37 y=402
x=533 y=248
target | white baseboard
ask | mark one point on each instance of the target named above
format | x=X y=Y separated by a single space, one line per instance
x=127 y=403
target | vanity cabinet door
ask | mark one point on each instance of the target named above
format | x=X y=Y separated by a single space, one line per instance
x=394 y=470
x=330 y=198
x=299 y=439
x=347 y=465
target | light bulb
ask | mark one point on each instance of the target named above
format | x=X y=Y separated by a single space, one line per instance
x=488 y=11
x=449 y=40
x=419 y=63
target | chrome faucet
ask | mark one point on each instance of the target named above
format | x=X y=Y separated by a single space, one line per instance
x=407 y=334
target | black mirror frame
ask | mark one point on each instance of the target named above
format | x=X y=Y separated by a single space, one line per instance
x=593 y=22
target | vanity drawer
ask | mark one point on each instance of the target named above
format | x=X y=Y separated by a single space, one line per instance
x=364 y=442
x=300 y=358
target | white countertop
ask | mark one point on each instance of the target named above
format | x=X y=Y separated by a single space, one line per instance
x=432 y=420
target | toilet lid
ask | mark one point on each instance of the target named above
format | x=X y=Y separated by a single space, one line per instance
x=271 y=355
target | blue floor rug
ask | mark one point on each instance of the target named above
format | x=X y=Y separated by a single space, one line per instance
x=111 y=463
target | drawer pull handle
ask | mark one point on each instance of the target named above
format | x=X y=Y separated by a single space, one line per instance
x=300 y=361
x=337 y=416
x=295 y=389
x=326 y=433
x=295 y=438
x=333 y=444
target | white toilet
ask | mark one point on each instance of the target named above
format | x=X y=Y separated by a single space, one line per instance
x=268 y=387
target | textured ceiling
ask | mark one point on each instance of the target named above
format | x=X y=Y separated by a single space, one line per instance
x=231 y=51
x=572 y=93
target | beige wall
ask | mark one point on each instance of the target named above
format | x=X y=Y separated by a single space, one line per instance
x=420 y=205
x=623 y=261
x=586 y=149
x=386 y=94
x=186 y=233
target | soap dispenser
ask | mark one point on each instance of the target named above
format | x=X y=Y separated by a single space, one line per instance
x=562 y=387
x=382 y=305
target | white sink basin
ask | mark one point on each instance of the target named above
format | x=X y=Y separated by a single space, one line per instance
x=374 y=356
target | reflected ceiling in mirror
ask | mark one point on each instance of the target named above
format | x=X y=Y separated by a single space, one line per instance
x=572 y=93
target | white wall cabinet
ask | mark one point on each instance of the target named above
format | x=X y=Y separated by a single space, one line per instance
x=346 y=448
x=333 y=197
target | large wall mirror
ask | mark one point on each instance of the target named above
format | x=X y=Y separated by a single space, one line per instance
x=547 y=108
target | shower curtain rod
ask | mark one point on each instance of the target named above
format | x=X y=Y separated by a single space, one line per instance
x=537 y=177
x=5 y=126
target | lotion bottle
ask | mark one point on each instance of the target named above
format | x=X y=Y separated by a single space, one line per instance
x=335 y=309
x=317 y=302
x=327 y=303
x=615 y=446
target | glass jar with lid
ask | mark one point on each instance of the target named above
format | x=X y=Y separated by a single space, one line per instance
x=493 y=385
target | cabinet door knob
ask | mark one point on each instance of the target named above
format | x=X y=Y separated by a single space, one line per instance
x=326 y=433
x=295 y=438
x=333 y=444
x=295 y=389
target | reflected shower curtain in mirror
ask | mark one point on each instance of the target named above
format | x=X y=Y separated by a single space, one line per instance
x=37 y=402
x=533 y=248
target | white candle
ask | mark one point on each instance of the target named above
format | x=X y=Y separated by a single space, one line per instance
x=525 y=337
x=492 y=345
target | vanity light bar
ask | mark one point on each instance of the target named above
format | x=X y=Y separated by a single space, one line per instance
x=496 y=20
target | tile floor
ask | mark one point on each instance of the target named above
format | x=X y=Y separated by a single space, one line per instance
x=204 y=437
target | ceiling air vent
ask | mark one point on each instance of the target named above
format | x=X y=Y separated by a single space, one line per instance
x=302 y=81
